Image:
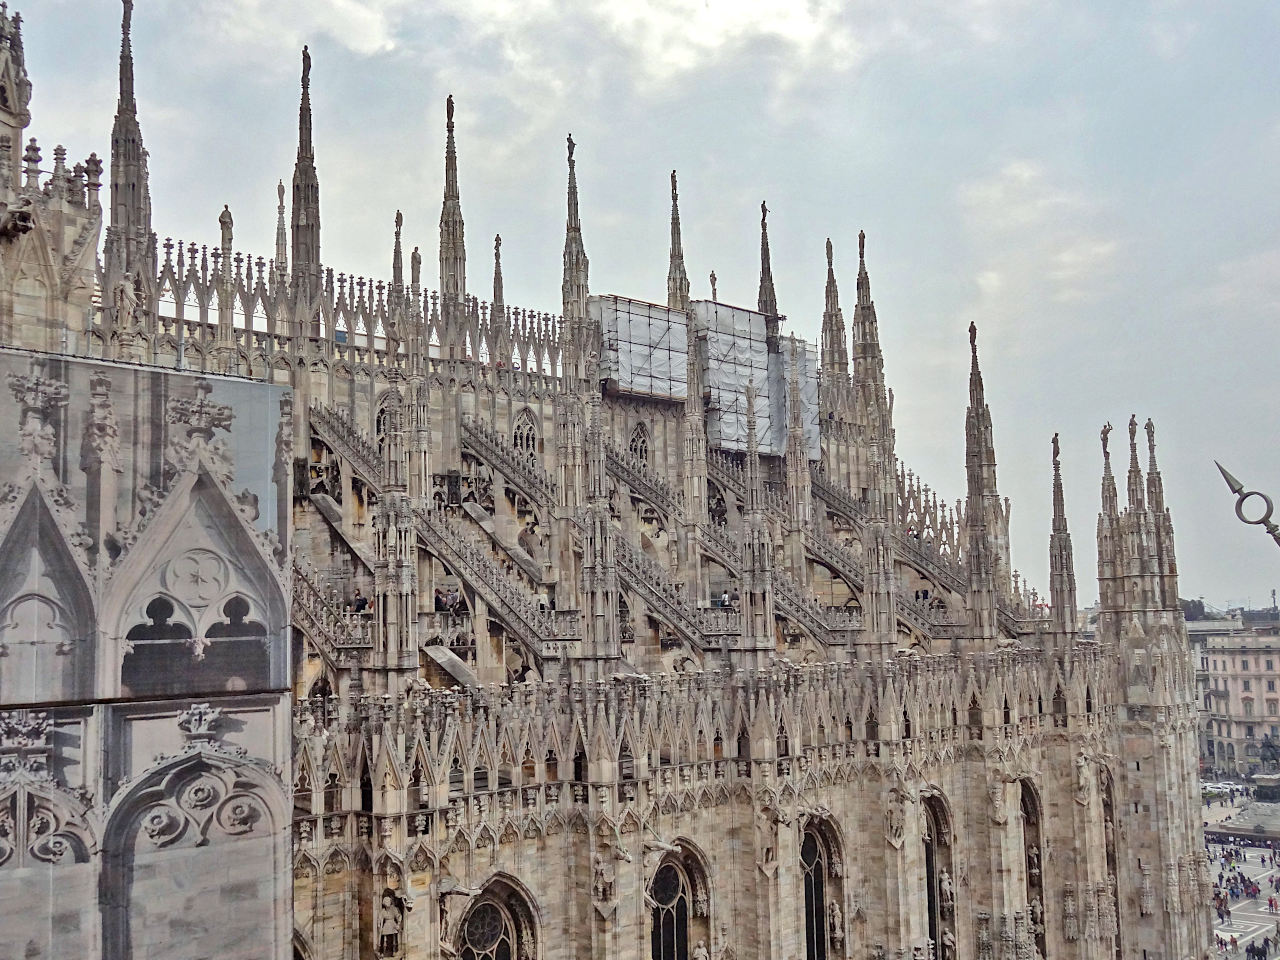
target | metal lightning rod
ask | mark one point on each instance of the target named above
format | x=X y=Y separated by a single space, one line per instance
x=1242 y=496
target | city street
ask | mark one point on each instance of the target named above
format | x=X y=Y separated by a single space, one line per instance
x=1251 y=920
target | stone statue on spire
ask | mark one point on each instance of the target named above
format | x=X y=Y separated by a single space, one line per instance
x=1133 y=430
x=306 y=67
x=1106 y=434
x=448 y=108
x=713 y=285
x=764 y=213
x=569 y=141
x=1151 y=434
x=973 y=337
x=399 y=223
x=1056 y=462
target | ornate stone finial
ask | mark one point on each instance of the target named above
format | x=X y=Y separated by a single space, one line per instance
x=862 y=245
x=306 y=68
x=201 y=415
x=199 y=721
x=569 y=141
x=1057 y=464
x=1106 y=435
x=713 y=285
x=448 y=108
x=829 y=254
x=39 y=398
x=126 y=22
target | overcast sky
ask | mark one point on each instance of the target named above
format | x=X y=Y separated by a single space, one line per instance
x=1094 y=184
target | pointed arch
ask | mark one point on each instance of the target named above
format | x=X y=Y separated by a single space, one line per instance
x=639 y=444
x=47 y=616
x=181 y=559
x=524 y=432
x=501 y=923
x=202 y=797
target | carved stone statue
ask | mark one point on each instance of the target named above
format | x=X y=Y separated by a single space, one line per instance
x=389 y=925
x=895 y=819
x=946 y=892
x=835 y=919
x=766 y=837
x=1084 y=782
x=700 y=951
x=602 y=888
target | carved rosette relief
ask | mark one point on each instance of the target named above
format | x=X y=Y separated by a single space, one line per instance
x=204 y=807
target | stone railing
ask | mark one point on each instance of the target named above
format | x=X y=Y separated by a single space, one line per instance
x=720 y=622
x=643 y=480
x=731 y=477
x=349 y=442
x=924 y=556
x=841 y=498
x=511 y=602
x=910 y=549
x=519 y=468
x=668 y=601
x=718 y=539
x=319 y=614
x=836 y=555
x=790 y=600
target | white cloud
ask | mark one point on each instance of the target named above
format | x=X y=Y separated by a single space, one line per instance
x=1035 y=241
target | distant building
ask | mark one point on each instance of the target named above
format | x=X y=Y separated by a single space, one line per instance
x=1238 y=678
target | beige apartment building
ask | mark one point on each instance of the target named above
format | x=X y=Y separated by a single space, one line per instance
x=1239 y=687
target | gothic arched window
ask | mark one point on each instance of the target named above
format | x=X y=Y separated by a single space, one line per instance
x=499 y=925
x=670 y=936
x=489 y=933
x=639 y=445
x=813 y=863
x=524 y=435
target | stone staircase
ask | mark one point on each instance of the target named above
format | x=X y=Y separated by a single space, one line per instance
x=828 y=624
x=643 y=480
x=349 y=442
x=318 y=611
x=537 y=629
x=519 y=468
x=668 y=601
x=837 y=556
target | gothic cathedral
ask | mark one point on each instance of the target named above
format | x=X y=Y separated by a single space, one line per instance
x=344 y=618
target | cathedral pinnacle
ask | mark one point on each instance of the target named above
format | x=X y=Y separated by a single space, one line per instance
x=453 y=248
x=126 y=101
x=397 y=259
x=281 y=266
x=306 y=196
x=573 y=286
x=1136 y=484
x=130 y=236
x=835 y=351
x=1062 y=576
x=767 y=302
x=499 y=303
x=677 y=279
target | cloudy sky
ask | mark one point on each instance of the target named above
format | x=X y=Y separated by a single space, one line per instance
x=1095 y=184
